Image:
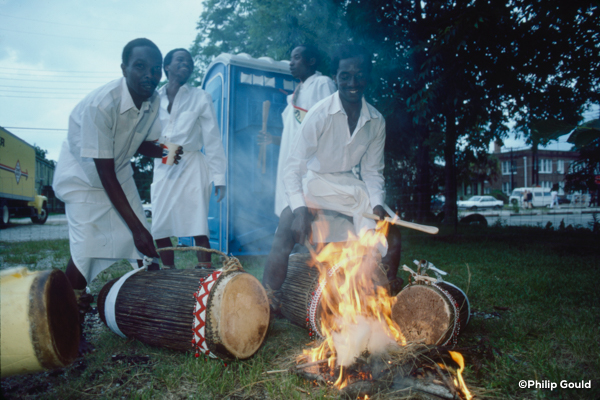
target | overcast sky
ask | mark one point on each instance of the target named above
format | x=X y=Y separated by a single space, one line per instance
x=52 y=53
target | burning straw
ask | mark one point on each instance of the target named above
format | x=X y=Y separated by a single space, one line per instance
x=363 y=351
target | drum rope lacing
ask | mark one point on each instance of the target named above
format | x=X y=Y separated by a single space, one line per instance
x=420 y=277
x=230 y=264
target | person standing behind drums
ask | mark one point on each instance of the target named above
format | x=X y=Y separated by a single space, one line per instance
x=313 y=87
x=181 y=193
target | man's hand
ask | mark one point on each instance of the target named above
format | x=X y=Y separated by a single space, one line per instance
x=301 y=224
x=145 y=243
x=220 y=191
x=380 y=212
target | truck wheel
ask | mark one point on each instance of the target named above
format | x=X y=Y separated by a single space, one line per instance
x=43 y=217
x=4 y=216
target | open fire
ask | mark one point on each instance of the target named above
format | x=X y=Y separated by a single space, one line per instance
x=362 y=350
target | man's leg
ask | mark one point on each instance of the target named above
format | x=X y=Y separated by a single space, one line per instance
x=203 y=256
x=84 y=302
x=392 y=259
x=283 y=243
x=167 y=257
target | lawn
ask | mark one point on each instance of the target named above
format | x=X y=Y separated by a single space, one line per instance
x=535 y=316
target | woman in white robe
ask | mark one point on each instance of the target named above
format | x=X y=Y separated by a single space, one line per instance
x=181 y=193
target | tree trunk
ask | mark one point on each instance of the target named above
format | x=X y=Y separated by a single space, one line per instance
x=423 y=186
x=450 y=210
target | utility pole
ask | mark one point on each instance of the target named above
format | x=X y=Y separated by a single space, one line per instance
x=512 y=171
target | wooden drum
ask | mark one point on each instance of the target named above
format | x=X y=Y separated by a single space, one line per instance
x=40 y=321
x=223 y=314
x=302 y=292
x=434 y=313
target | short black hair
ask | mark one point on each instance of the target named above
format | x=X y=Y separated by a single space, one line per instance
x=311 y=51
x=140 y=42
x=346 y=51
x=169 y=58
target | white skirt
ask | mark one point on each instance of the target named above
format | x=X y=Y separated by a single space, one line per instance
x=98 y=235
x=180 y=197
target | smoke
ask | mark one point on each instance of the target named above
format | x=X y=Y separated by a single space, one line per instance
x=366 y=334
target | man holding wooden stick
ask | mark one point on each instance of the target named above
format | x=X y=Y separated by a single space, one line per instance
x=339 y=133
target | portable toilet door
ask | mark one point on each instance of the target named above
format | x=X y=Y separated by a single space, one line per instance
x=244 y=222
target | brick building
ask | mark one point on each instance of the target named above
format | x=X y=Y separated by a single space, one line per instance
x=549 y=168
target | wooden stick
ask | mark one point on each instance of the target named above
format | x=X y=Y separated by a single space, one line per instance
x=396 y=221
x=310 y=364
x=277 y=371
x=262 y=155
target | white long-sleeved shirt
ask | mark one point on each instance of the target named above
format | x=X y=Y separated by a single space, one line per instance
x=193 y=124
x=325 y=145
x=314 y=89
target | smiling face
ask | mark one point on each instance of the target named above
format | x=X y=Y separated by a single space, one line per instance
x=300 y=67
x=181 y=67
x=352 y=79
x=142 y=73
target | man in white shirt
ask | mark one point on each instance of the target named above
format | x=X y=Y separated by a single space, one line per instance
x=94 y=176
x=340 y=132
x=313 y=87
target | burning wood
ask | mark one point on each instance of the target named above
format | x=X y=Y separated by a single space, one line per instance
x=364 y=350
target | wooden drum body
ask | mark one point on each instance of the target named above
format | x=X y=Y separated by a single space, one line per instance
x=225 y=314
x=433 y=313
x=40 y=321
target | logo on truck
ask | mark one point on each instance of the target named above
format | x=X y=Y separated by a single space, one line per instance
x=16 y=170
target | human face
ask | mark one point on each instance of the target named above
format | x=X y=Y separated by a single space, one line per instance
x=352 y=79
x=181 y=67
x=300 y=67
x=142 y=73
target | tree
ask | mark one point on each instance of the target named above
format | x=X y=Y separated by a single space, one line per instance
x=41 y=154
x=143 y=168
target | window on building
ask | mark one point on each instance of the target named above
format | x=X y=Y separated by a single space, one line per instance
x=560 y=166
x=546 y=184
x=505 y=167
x=545 y=166
x=487 y=190
x=506 y=189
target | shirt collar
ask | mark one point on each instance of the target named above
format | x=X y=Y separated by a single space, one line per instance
x=127 y=101
x=336 y=107
x=311 y=78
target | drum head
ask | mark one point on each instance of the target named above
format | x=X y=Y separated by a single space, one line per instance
x=244 y=318
x=423 y=313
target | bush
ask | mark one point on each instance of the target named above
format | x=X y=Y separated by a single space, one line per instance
x=499 y=194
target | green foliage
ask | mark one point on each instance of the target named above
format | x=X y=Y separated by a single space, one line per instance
x=143 y=168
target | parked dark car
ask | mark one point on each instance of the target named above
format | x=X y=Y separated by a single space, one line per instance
x=563 y=200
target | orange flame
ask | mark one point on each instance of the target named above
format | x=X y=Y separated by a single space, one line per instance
x=354 y=311
x=458 y=358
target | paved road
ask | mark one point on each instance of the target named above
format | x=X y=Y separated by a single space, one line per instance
x=23 y=230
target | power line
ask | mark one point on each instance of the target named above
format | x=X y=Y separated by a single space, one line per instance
x=62 y=36
x=49 y=70
x=84 y=26
x=35 y=129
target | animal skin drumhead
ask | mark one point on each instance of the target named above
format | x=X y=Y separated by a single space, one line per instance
x=423 y=313
x=244 y=315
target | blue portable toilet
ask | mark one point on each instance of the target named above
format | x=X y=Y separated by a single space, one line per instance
x=244 y=222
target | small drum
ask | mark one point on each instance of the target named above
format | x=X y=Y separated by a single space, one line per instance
x=302 y=292
x=223 y=314
x=40 y=321
x=435 y=313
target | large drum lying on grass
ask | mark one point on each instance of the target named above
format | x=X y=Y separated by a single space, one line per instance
x=432 y=313
x=40 y=321
x=225 y=314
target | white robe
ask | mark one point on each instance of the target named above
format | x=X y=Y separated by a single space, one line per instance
x=181 y=193
x=315 y=88
x=319 y=171
x=105 y=125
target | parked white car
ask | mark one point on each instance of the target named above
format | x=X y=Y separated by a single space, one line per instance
x=480 y=203
x=541 y=196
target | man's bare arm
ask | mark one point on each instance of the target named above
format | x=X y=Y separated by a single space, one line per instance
x=141 y=237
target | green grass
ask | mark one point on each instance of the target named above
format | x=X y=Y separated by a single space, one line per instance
x=539 y=287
